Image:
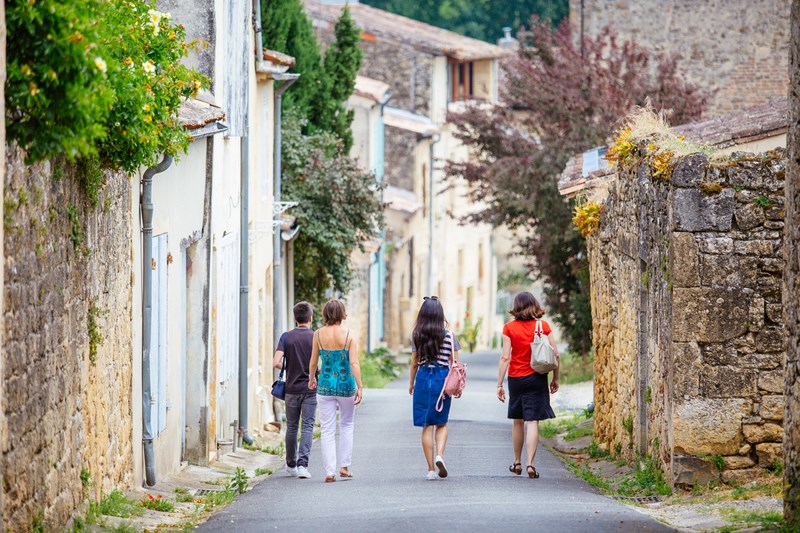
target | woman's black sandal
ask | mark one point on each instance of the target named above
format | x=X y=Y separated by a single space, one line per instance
x=532 y=473
x=516 y=468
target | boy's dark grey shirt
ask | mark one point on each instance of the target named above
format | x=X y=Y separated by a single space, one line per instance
x=296 y=346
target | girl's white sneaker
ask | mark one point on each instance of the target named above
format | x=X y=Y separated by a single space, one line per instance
x=431 y=475
x=440 y=466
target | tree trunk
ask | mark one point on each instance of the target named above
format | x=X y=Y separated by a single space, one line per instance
x=791 y=440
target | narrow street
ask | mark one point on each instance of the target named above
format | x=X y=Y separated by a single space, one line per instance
x=389 y=491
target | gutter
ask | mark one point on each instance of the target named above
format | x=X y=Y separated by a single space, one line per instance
x=435 y=138
x=382 y=103
x=244 y=244
x=288 y=80
x=146 y=203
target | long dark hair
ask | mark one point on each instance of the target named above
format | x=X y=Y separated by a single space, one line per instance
x=429 y=330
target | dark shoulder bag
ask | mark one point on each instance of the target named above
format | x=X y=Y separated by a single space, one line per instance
x=279 y=387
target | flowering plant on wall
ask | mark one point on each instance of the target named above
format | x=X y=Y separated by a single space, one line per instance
x=93 y=78
x=587 y=217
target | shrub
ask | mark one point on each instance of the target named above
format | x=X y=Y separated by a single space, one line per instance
x=95 y=78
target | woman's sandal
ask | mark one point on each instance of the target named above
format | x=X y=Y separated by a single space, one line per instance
x=532 y=473
x=345 y=473
x=330 y=479
x=516 y=468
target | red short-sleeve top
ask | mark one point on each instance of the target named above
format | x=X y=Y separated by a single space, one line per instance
x=521 y=334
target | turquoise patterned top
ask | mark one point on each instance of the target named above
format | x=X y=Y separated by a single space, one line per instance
x=335 y=378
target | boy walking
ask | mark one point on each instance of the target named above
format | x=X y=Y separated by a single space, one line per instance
x=301 y=402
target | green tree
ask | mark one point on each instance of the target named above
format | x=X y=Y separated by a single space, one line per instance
x=324 y=84
x=287 y=29
x=342 y=61
x=481 y=19
x=338 y=210
x=338 y=205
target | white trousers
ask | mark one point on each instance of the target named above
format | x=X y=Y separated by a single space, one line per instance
x=327 y=420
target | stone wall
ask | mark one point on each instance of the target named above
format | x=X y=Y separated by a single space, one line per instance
x=400 y=157
x=739 y=48
x=67 y=398
x=792 y=277
x=408 y=71
x=687 y=310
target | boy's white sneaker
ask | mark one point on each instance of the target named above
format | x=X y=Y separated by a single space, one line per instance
x=431 y=475
x=291 y=470
x=440 y=466
x=302 y=472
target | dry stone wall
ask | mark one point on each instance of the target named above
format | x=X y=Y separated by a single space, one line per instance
x=688 y=316
x=67 y=342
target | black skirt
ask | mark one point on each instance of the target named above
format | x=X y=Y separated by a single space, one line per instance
x=529 y=398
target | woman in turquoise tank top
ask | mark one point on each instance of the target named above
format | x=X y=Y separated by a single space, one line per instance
x=338 y=387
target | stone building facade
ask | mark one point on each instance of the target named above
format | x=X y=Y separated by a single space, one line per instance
x=738 y=48
x=67 y=342
x=687 y=309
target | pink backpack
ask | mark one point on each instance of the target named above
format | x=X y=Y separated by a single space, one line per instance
x=455 y=381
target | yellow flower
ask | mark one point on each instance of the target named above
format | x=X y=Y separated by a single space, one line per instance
x=146 y=107
x=197 y=85
x=52 y=74
x=26 y=70
x=155 y=16
x=149 y=67
x=100 y=64
x=148 y=119
x=127 y=61
x=33 y=89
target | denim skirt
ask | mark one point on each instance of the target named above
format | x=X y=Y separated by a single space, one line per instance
x=427 y=387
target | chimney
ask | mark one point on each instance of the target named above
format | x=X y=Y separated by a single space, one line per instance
x=507 y=41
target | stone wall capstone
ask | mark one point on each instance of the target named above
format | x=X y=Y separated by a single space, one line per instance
x=67 y=406
x=687 y=315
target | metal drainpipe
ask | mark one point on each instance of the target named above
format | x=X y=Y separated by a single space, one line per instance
x=244 y=246
x=434 y=139
x=288 y=80
x=147 y=295
x=382 y=103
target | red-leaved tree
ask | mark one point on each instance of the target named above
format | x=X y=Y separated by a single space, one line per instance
x=555 y=104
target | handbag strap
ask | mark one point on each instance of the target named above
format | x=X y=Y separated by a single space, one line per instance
x=283 y=366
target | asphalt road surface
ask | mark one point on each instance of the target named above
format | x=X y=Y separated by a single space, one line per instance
x=389 y=491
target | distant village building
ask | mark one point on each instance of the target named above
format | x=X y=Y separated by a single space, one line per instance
x=430 y=71
x=738 y=48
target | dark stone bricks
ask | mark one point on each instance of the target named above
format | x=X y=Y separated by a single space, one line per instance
x=697 y=211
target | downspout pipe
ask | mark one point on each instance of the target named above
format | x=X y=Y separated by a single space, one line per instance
x=147 y=325
x=434 y=139
x=277 y=283
x=244 y=243
x=381 y=106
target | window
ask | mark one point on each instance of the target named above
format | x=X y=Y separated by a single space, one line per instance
x=462 y=83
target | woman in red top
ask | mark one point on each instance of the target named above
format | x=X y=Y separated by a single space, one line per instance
x=529 y=397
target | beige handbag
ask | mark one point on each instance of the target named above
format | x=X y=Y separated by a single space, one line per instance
x=543 y=357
